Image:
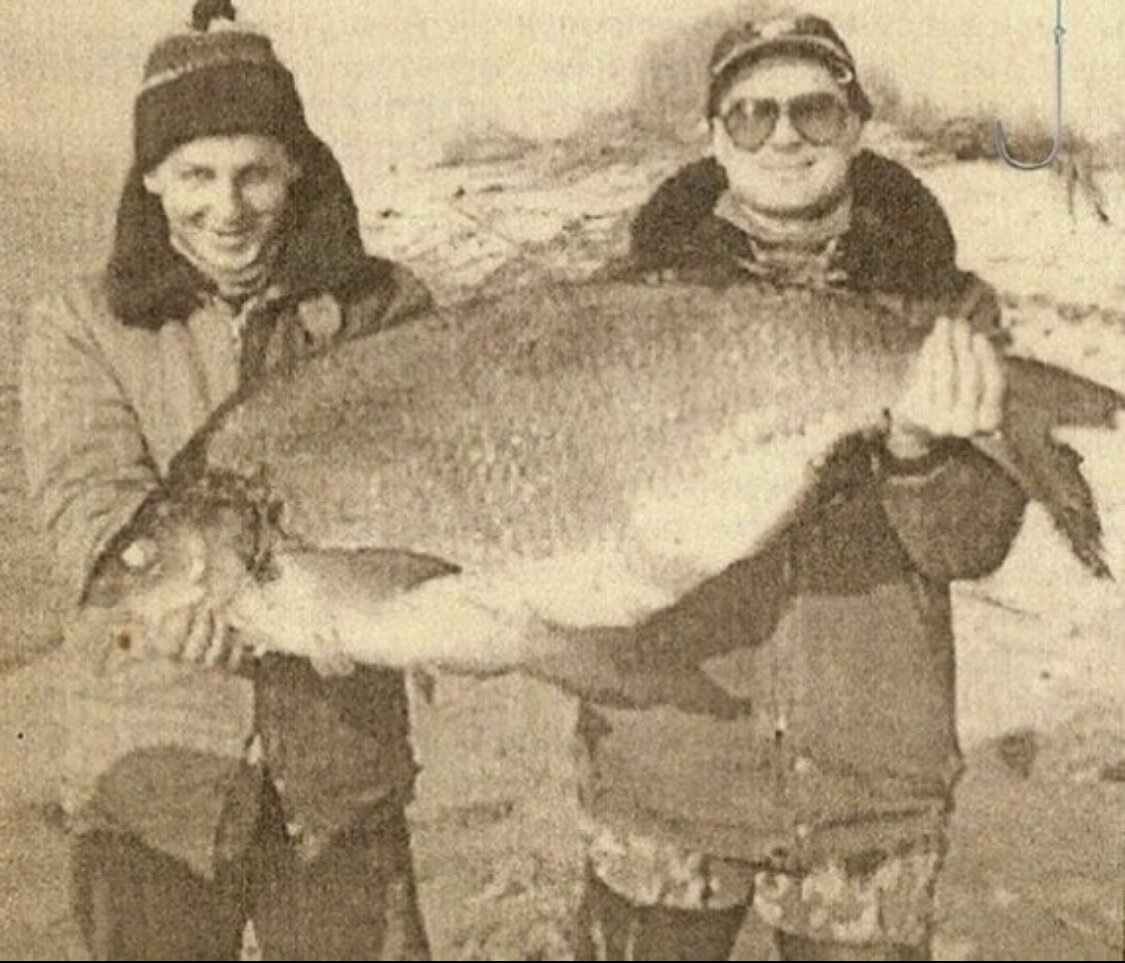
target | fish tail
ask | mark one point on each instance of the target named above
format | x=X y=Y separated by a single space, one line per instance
x=1050 y=473
x=1043 y=398
x=1064 y=398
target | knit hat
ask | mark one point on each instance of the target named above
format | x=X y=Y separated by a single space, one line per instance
x=215 y=79
x=804 y=34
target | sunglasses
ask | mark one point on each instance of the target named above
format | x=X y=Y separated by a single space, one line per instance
x=820 y=118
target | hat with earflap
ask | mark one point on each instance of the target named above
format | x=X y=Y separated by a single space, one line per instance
x=218 y=77
x=221 y=78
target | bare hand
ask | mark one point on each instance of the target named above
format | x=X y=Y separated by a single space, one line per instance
x=177 y=619
x=956 y=389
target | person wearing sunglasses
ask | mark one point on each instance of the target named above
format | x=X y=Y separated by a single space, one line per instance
x=823 y=808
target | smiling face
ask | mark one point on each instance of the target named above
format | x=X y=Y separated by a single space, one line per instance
x=789 y=173
x=225 y=198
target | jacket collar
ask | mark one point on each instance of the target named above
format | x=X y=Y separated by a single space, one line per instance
x=148 y=284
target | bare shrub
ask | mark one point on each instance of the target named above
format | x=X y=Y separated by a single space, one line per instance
x=486 y=144
x=672 y=74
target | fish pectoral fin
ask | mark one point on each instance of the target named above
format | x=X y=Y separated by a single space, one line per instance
x=317 y=602
x=389 y=608
x=374 y=573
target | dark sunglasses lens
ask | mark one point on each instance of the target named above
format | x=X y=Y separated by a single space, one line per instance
x=749 y=123
x=819 y=118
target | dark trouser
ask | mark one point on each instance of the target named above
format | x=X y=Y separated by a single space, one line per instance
x=610 y=927
x=355 y=901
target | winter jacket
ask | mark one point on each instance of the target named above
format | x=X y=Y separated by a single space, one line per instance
x=119 y=371
x=842 y=624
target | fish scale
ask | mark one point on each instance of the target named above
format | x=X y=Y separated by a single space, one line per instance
x=607 y=385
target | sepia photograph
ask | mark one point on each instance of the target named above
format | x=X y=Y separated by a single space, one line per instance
x=498 y=480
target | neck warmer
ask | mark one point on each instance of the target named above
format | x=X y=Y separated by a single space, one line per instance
x=808 y=233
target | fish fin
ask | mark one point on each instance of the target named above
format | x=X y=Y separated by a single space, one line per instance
x=1042 y=398
x=596 y=666
x=336 y=601
x=1070 y=502
x=1066 y=399
x=377 y=572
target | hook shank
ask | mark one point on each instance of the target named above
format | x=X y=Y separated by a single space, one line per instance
x=1001 y=142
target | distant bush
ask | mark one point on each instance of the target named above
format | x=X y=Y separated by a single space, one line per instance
x=486 y=144
x=672 y=78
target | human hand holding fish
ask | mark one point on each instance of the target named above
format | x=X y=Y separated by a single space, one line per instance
x=186 y=622
x=179 y=619
x=955 y=389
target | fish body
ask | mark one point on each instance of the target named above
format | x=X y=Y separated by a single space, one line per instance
x=556 y=464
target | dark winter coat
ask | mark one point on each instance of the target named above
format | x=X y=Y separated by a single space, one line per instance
x=844 y=621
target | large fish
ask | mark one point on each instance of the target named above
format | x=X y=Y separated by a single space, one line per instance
x=527 y=479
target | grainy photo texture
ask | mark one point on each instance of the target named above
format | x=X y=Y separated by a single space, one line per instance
x=487 y=480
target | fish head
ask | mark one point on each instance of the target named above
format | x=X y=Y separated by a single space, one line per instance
x=187 y=550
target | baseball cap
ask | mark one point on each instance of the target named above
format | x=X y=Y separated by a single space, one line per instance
x=803 y=35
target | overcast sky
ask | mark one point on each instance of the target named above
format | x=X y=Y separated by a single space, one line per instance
x=390 y=78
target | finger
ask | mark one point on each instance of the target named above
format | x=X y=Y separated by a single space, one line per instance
x=165 y=635
x=941 y=379
x=328 y=660
x=967 y=382
x=910 y=412
x=218 y=640
x=236 y=656
x=238 y=651
x=990 y=412
x=198 y=637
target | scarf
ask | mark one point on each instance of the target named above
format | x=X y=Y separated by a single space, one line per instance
x=797 y=250
x=233 y=286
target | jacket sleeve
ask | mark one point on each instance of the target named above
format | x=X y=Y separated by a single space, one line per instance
x=409 y=297
x=956 y=519
x=87 y=464
x=398 y=297
x=955 y=511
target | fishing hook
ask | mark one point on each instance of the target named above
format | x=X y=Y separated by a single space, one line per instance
x=1001 y=145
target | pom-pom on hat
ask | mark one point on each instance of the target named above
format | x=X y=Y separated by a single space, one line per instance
x=804 y=35
x=216 y=78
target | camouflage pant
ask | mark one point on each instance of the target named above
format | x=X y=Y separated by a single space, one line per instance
x=871 y=898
